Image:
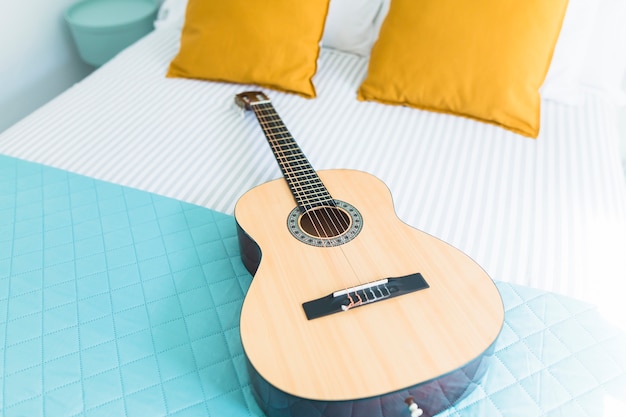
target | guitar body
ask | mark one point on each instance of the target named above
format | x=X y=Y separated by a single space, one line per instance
x=429 y=344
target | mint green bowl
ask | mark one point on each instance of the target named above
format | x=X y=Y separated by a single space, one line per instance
x=102 y=28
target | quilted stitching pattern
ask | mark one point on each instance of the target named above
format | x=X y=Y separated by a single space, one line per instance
x=119 y=302
x=555 y=356
x=115 y=301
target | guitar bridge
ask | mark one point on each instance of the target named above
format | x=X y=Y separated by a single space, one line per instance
x=361 y=295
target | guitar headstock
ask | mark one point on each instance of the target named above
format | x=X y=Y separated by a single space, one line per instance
x=248 y=99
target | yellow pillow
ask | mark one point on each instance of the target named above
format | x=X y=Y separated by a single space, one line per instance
x=484 y=59
x=271 y=43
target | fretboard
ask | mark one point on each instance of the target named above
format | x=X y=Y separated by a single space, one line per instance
x=306 y=186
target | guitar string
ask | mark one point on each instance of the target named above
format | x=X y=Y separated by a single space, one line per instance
x=265 y=114
x=295 y=178
x=291 y=174
x=280 y=154
x=266 y=117
x=260 y=114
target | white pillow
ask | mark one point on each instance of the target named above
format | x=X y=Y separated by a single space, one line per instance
x=562 y=83
x=171 y=14
x=350 y=25
x=605 y=64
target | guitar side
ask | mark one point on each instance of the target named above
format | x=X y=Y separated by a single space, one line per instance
x=395 y=345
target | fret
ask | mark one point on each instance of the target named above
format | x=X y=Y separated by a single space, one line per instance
x=276 y=130
x=289 y=152
x=310 y=182
x=319 y=195
x=307 y=174
x=298 y=179
x=293 y=156
x=280 y=142
x=313 y=192
x=283 y=142
x=306 y=179
x=294 y=160
x=305 y=185
x=272 y=122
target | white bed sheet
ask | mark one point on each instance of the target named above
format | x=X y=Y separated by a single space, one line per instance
x=549 y=213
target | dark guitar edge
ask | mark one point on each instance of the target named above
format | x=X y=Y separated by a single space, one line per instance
x=432 y=396
x=249 y=251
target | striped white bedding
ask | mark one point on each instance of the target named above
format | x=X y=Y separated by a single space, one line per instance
x=549 y=213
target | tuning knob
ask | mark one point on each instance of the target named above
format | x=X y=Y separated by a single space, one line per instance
x=413 y=407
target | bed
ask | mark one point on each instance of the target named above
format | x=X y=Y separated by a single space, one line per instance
x=545 y=217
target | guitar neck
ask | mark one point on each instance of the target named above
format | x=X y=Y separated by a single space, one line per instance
x=306 y=186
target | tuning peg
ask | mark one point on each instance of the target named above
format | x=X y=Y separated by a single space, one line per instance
x=413 y=407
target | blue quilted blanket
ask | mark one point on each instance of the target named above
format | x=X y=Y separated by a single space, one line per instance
x=118 y=302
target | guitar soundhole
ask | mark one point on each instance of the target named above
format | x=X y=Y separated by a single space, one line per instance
x=326 y=225
x=325 y=222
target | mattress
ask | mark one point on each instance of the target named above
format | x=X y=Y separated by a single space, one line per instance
x=117 y=301
x=549 y=213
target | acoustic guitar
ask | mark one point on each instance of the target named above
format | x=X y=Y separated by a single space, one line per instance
x=352 y=312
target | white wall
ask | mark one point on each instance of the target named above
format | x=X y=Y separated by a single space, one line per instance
x=622 y=127
x=37 y=57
